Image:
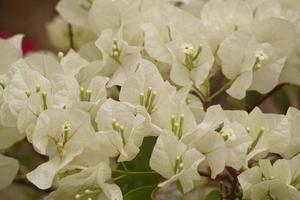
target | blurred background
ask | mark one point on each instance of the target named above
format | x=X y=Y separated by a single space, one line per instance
x=28 y=17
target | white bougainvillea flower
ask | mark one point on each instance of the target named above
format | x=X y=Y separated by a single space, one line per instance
x=238 y=58
x=192 y=61
x=119 y=59
x=216 y=116
x=293 y=148
x=61 y=135
x=253 y=60
x=237 y=142
x=90 y=98
x=27 y=117
x=276 y=48
x=8 y=170
x=269 y=132
x=155 y=42
x=183 y=46
x=291 y=70
x=267 y=181
x=110 y=14
x=175 y=115
x=89 y=157
x=10 y=51
x=163 y=29
x=286 y=9
x=90 y=184
x=233 y=132
x=175 y=162
x=24 y=82
x=122 y=129
x=146 y=87
x=73 y=62
x=212 y=145
x=74 y=12
x=221 y=18
x=46 y=64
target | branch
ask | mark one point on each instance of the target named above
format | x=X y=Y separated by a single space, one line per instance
x=71 y=36
x=266 y=96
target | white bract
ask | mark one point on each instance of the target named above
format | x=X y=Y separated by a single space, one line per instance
x=61 y=135
x=175 y=162
x=131 y=101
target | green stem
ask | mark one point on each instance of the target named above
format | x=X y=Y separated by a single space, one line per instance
x=124 y=166
x=133 y=173
x=222 y=89
x=199 y=93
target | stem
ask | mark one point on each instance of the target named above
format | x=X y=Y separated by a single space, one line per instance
x=222 y=89
x=199 y=93
x=71 y=36
x=119 y=177
x=124 y=166
x=133 y=173
x=221 y=191
x=266 y=96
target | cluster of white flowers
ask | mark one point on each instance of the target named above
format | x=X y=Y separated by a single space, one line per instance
x=143 y=68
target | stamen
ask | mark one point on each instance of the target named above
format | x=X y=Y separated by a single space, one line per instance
x=116 y=52
x=149 y=101
x=261 y=57
x=173 y=121
x=85 y=94
x=78 y=196
x=45 y=101
x=28 y=93
x=177 y=127
x=120 y=129
x=190 y=55
x=86 y=5
x=248 y=129
x=181 y=121
x=88 y=95
x=37 y=88
x=178 y=165
x=228 y=134
x=60 y=56
x=82 y=94
x=2 y=84
x=142 y=97
x=255 y=142
x=149 y=92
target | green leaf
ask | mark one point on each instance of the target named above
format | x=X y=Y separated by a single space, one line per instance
x=140 y=163
x=140 y=193
x=213 y=195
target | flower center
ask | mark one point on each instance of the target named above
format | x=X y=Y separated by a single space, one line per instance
x=191 y=55
x=2 y=84
x=261 y=57
x=178 y=166
x=65 y=129
x=177 y=125
x=148 y=100
x=86 y=4
x=85 y=94
x=89 y=194
x=116 y=126
x=228 y=134
x=116 y=51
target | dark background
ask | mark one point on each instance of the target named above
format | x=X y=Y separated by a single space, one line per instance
x=28 y=17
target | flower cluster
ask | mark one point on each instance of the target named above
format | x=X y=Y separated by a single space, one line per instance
x=143 y=68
